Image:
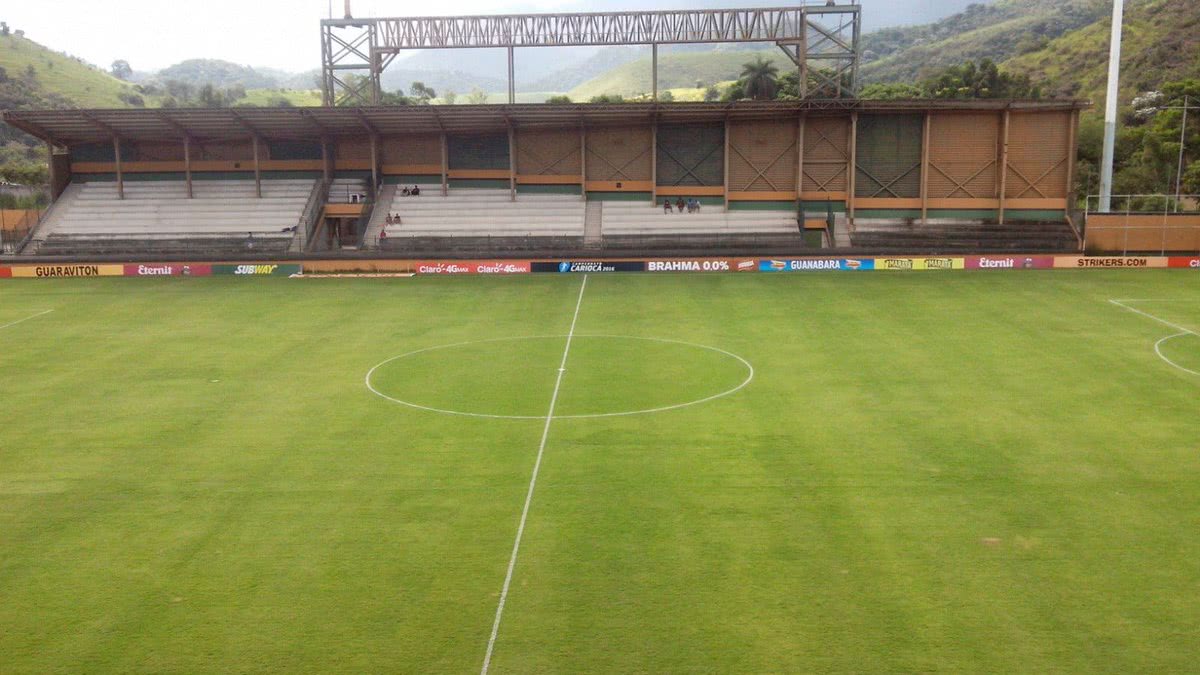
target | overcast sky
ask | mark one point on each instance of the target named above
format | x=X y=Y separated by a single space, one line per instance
x=153 y=34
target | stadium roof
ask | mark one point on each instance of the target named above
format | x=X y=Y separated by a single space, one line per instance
x=68 y=127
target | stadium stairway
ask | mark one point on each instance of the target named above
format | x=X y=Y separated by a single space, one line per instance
x=937 y=238
x=379 y=216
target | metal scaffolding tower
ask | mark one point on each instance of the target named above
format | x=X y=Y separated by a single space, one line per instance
x=821 y=39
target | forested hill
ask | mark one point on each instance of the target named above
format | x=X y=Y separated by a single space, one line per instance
x=1061 y=44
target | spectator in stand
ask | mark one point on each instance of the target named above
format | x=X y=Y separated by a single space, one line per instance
x=382 y=236
x=679 y=204
x=390 y=220
x=416 y=191
x=405 y=192
x=667 y=205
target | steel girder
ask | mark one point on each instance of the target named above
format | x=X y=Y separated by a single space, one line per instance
x=822 y=40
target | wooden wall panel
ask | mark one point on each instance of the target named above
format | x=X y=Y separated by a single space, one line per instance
x=826 y=154
x=619 y=154
x=1038 y=155
x=964 y=155
x=549 y=152
x=762 y=156
x=889 y=156
x=410 y=150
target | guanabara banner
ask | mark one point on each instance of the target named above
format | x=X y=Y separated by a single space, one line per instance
x=816 y=265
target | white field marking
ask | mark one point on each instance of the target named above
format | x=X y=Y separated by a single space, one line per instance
x=749 y=378
x=1158 y=350
x=1158 y=345
x=537 y=465
x=28 y=318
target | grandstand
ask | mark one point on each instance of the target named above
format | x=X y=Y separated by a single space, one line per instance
x=158 y=216
x=804 y=176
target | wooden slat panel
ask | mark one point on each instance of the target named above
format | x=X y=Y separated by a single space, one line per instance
x=1038 y=155
x=553 y=152
x=422 y=149
x=965 y=204
x=963 y=156
x=619 y=154
x=887 y=203
x=549 y=180
x=826 y=154
x=412 y=169
x=766 y=147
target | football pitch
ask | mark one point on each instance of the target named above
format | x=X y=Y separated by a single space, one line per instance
x=894 y=472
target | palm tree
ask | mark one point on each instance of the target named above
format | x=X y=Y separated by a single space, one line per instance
x=759 y=79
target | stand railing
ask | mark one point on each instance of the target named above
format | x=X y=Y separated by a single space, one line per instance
x=306 y=229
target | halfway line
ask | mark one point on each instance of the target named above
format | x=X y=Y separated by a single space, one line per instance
x=7 y=325
x=537 y=465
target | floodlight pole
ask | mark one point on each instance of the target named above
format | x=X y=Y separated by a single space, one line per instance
x=1182 y=145
x=1110 y=107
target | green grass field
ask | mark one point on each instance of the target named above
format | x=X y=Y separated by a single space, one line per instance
x=969 y=472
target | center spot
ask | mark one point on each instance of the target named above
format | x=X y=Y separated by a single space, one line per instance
x=515 y=377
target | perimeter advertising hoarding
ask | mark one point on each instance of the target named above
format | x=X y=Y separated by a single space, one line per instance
x=68 y=271
x=1009 y=262
x=256 y=270
x=1108 y=262
x=1177 y=263
x=471 y=267
x=816 y=265
x=168 y=270
x=589 y=266
x=703 y=265
x=5 y=273
x=920 y=264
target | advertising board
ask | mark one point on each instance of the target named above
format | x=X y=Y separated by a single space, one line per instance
x=1009 y=262
x=168 y=270
x=919 y=264
x=248 y=270
x=68 y=271
x=700 y=265
x=817 y=265
x=1108 y=262
x=471 y=267
x=1176 y=263
x=589 y=266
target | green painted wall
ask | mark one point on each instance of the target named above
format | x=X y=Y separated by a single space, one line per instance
x=412 y=180
x=549 y=189
x=196 y=176
x=823 y=207
x=888 y=214
x=1034 y=216
x=488 y=183
x=763 y=206
x=619 y=197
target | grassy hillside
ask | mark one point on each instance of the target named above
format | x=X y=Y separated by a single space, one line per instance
x=675 y=71
x=264 y=98
x=1161 y=43
x=61 y=79
x=998 y=32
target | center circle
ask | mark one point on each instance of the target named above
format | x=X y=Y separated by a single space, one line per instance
x=515 y=378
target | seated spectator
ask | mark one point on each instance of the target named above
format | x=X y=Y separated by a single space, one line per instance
x=416 y=191
x=382 y=235
x=405 y=192
x=667 y=205
x=679 y=204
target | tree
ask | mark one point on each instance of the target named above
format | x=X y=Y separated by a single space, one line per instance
x=422 y=93
x=759 y=79
x=477 y=97
x=559 y=100
x=5 y=31
x=898 y=91
x=449 y=97
x=121 y=69
x=983 y=80
x=607 y=98
x=712 y=93
x=666 y=96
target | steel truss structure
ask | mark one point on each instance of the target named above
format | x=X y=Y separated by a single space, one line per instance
x=821 y=39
